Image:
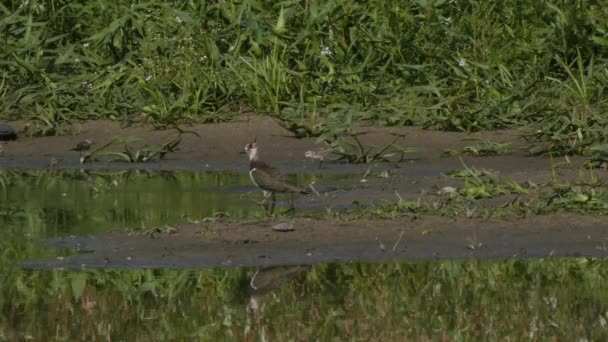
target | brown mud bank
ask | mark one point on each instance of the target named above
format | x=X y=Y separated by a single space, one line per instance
x=224 y=244
x=217 y=147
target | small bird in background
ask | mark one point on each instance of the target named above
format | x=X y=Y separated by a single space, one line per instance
x=84 y=145
x=269 y=179
x=318 y=155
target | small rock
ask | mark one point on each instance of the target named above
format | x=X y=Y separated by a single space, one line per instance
x=7 y=132
x=283 y=227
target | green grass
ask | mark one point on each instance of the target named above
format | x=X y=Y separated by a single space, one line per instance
x=464 y=65
x=131 y=154
x=486 y=194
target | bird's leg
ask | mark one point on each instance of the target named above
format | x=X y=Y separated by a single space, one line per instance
x=265 y=200
x=292 y=207
x=274 y=199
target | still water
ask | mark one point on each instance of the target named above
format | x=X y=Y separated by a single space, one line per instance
x=536 y=299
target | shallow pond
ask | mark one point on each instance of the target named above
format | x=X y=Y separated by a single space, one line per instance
x=453 y=299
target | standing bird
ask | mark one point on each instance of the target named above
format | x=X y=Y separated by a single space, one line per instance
x=84 y=145
x=268 y=179
x=318 y=155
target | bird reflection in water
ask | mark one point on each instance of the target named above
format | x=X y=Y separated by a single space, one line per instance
x=268 y=279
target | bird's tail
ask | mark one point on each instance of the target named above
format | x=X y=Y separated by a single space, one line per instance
x=299 y=189
x=304 y=191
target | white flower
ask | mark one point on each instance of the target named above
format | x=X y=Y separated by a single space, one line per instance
x=325 y=51
x=23 y=4
x=148 y=77
x=86 y=85
x=486 y=81
x=462 y=62
x=85 y=45
x=203 y=58
x=178 y=19
x=77 y=60
x=447 y=20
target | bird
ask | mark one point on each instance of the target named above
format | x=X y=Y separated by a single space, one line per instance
x=269 y=179
x=318 y=155
x=84 y=145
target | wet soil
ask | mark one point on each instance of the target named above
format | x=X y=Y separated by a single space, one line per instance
x=324 y=240
x=217 y=148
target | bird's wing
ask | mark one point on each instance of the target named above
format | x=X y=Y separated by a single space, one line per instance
x=269 y=178
x=270 y=171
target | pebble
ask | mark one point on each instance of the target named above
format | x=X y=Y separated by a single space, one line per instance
x=283 y=227
x=7 y=132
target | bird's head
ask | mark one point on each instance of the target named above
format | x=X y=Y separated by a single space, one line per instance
x=252 y=151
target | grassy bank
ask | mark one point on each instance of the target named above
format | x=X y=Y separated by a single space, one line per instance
x=455 y=65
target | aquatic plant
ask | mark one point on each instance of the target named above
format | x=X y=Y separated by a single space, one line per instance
x=130 y=154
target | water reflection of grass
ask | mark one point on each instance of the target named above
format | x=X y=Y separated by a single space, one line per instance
x=46 y=203
x=538 y=299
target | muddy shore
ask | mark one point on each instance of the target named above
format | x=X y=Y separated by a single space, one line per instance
x=217 y=148
x=328 y=240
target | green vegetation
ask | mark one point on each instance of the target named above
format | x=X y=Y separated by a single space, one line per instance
x=130 y=154
x=317 y=68
x=484 y=148
x=453 y=65
x=484 y=193
x=356 y=153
